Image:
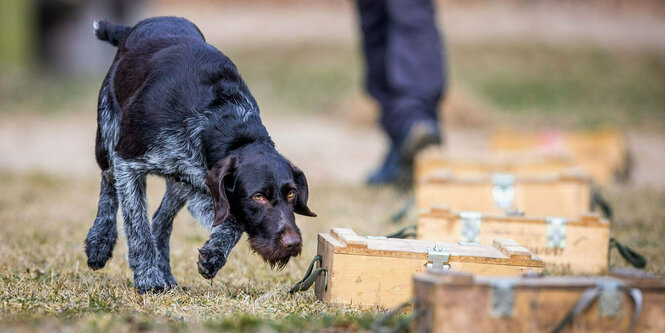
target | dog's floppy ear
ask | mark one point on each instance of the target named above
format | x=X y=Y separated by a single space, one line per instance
x=302 y=193
x=215 y=182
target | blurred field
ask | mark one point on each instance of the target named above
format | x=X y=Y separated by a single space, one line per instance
x=528 y=65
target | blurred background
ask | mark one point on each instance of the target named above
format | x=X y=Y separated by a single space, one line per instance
x=525 y=65
x=566 y=64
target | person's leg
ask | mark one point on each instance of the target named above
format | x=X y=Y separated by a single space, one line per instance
x=414 y=69
x=374 y=27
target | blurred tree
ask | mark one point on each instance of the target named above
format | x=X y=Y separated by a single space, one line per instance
x=17 y=33
x=56 y=35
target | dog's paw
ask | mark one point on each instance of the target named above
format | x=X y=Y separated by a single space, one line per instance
x=99 y=251
x=150 y=281
x=170 y=281
x=209 y=263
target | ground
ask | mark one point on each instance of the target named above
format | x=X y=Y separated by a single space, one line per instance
x=523 y=65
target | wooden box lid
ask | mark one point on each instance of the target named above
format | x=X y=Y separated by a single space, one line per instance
x=440 y=211
x=443 y=176
x=501 y=252
x=459 y=279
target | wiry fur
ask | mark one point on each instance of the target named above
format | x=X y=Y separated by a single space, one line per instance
x=172 y=105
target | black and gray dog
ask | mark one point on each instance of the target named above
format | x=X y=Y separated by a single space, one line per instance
x=174 y=106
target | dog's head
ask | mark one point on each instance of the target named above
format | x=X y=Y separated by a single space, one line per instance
x=263 y=190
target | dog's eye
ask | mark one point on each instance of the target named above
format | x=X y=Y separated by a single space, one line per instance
x=259 y=198
x=291 y=194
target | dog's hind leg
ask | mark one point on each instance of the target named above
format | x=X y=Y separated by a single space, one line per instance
x=162 y=224
x=142 y=254
x=102 y=236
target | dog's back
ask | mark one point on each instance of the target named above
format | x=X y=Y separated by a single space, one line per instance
x=164 y=69
x=152 y=28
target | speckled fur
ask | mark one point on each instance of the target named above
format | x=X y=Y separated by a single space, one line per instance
x=173 y=106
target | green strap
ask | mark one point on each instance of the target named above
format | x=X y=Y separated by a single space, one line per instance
x=401 y=326
x=634 y=258
x=602 y=203
x=401 y=214
x=311 y=275
x=406 y=232
x=589 y=296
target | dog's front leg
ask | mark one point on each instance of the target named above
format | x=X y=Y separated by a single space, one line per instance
x=213 y=254
x=142 y=254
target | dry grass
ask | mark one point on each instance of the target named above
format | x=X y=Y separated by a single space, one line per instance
x=45 y=284
x=43 y=272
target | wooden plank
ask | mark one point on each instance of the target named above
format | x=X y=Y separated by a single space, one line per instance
x=602 y=153
x=520 y=163
x=379 y=271
x=564 y=194
x=585 y=251
x=457 y=302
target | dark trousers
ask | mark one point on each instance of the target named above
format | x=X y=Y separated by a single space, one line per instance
x=404 y=55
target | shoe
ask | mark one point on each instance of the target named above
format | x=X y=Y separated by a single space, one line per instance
x=390 y=170
x=421 y=135
x=397 y=168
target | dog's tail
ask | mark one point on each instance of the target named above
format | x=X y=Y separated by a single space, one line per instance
x=110 y=32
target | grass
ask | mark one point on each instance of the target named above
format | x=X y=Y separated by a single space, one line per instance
x=578 y=85
x=570 y=86
x=45 y=284
x=43 y=273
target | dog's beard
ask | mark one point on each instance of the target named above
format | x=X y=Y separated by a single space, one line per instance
x=272 y=253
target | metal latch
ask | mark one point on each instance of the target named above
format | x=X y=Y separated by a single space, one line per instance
x=610 y=299
x=503 y=190
x=556 y=232
x=376 y=237
x=471 y=222
x=438 y=258
x=503 y=298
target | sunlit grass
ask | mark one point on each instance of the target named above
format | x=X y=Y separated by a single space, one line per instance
x=576 y=85
x=44 y=279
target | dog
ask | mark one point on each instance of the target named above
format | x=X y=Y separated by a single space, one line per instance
x=174 y=106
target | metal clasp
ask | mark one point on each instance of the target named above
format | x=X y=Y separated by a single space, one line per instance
x=503 y=298
x=556 y=232
x=503 y=190
x=611 y=298
x=438 y=258
x=376 y=237
x=471 y=222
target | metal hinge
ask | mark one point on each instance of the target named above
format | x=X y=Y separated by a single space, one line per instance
x=610 y=299
x=556 y=232
x=503 y=298
x=376 y=237
x=471 y=222
x=503 y=190
x=438 y=258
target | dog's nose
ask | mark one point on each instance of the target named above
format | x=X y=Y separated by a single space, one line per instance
x=290 y=241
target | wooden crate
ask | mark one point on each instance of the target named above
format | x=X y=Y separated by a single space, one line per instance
x=602 y=153
x=519 y=163
x=377 y=270
x=459 y=302
x=566 y=194
x=578 y=245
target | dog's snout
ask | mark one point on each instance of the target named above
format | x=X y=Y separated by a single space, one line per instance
x=290 y=240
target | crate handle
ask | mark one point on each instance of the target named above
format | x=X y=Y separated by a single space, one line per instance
x=402 y=325
x=404 y=232
x=589 y=296
x=634 y=258
x=311 y=275
x=402 y=212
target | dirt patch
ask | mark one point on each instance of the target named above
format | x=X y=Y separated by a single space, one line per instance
x=329 y=150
